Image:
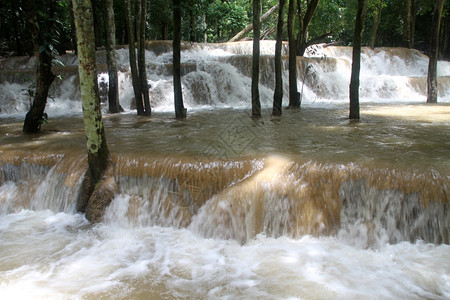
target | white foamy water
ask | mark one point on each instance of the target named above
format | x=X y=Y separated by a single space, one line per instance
x=47 y=251
x=218 y=76
x=52 y=256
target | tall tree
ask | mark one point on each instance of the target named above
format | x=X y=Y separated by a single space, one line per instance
x=141 y=24
x=44 y=48
x=256 y=103
x=356 y=59
x=412 y=23
x=406 y=23
x=180 y=111
x=376 y=15
x=110 y=28
x=92 y=116
x=304 y=21
x=132 y=52
x=278 y=93
x=97 y=188
x=294 y=96
x=432 y=84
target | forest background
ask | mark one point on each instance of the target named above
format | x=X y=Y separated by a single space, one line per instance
x=219 y=20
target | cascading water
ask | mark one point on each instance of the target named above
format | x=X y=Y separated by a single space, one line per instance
x=306 y=206
x=219 y=76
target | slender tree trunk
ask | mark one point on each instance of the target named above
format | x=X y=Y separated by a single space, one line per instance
x=412 y=23
x=278 y=93
x=406 y=20
x=132 y=51
x=164 y=31
x=15 y=5
x=73 y=33
x=205 y=33
x=445 y=33
x=304 y=23
x=180 y=111
x=192 y=16
x=36 y=116
x=113 y=89
x=44 y=75
x=93 y=124
x=256 y=104
x=432 y=83
x=294 y=96
x=356 y=59
x=376 y=24
x=243 y=33
x=141 y=59
x=98 y=185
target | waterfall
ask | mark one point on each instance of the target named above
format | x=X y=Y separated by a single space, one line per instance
x=221 y=205
x=218 y=75
x=240 y=199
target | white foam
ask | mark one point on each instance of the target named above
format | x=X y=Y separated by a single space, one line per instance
x=213 y=81
x=47 y=255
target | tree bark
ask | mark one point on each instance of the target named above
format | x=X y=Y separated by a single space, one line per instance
x=180 y=111
x=304 y=23
x=376 y=24
x=44 y=76
x=192 y=17
x=97 y=148
x=243 y=33
x=356 y=60
x=412 y=23
x=406 y=23
x=132 y=53
x=256 y=103
x=141 y=59
x=432 y=83
x=278 y=93
x=294 y=97
x=113 y=88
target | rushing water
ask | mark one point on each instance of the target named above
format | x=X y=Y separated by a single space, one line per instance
x=309 y=205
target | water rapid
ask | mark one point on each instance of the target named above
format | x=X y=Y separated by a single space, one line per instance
x=220 y=206
x=218 y=76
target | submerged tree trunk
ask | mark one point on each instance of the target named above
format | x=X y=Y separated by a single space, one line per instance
x=98 y=195
x=141 y=58
x=304 y=23
x=36 y=116
x=256 y=103
x=44 y=76
x=356 y=60
x=113 y=88
x=278 y=93
x=294 y=97
x=243 y=33
x=132 y=52
x=432 y=84
x=180 y=111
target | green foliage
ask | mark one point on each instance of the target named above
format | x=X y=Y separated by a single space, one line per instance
x=225 y=18
x=218 y=20
x=328 y=18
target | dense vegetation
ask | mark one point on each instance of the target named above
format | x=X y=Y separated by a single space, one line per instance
x=220 y=20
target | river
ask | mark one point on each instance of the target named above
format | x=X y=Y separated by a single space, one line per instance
x=309 y=205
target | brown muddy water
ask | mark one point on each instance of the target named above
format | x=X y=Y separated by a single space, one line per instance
x=309 y=205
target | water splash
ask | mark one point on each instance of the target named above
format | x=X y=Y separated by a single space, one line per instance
x=218 y=75
x=240 y=199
